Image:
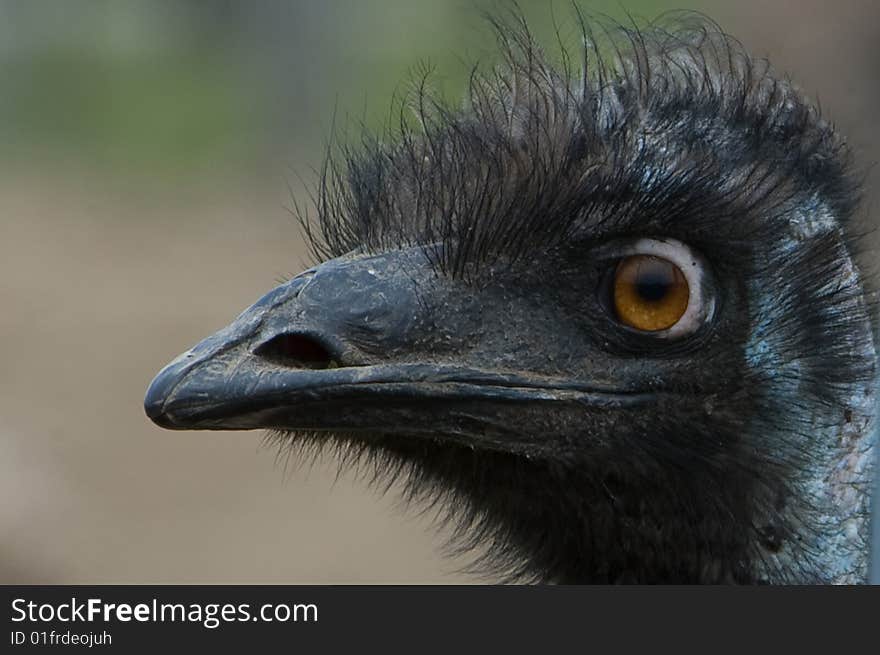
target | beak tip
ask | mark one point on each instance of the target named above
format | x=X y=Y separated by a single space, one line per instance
x=154 y=402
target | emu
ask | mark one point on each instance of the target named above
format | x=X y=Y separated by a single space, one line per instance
x=606 y=314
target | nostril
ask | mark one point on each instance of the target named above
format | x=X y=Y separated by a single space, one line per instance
x=297 y=350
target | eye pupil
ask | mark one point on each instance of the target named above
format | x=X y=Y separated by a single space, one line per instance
x=650 y=293
x=652 y=288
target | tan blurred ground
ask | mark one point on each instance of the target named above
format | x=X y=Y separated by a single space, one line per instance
x=91 y=306
x=91 y=490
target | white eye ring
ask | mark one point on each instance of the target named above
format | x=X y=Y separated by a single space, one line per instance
x=700 y=306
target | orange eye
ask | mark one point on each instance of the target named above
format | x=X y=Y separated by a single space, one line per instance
x=650 y=293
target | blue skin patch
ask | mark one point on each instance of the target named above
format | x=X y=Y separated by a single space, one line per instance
x=840 y=437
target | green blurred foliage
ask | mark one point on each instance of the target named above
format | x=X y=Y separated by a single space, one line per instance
x=177 y=111
x=183 y=88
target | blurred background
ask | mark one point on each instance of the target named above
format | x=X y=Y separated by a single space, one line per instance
x=146 y=148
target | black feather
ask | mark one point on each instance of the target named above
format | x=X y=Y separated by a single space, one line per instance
x=667 y=130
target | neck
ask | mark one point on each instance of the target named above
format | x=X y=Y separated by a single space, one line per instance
x=830 y=509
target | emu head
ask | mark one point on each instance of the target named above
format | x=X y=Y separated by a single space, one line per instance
x=609 y=319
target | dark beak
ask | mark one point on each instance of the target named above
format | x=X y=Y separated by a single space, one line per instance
x=290 y=360
x=353 y=345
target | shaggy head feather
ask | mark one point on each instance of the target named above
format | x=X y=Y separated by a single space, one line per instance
x=750 y=461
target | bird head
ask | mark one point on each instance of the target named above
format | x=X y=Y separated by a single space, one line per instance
x=609 y=319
